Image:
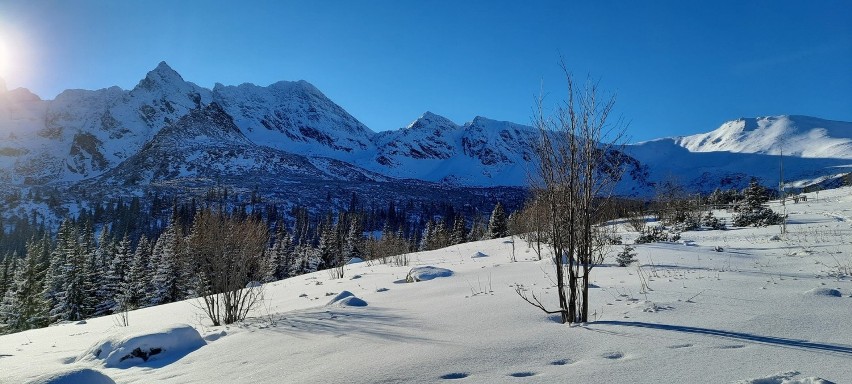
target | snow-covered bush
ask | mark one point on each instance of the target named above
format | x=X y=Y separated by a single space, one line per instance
x=626 y=257
x=169 y=343
x=760 y=217
x=712 y=222
x=751 y=210
x=654 y=234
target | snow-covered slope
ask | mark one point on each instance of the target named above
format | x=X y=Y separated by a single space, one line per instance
x=206 y=147
x=480 y=152
x=813 y=150
x=666 y=160
x=295 y=117
x=717 y=307
x=799 y=136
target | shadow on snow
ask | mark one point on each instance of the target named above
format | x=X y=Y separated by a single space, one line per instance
x=770 y=340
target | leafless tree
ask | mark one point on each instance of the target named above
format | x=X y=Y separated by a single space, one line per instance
x=579 y=161
x=228 y=253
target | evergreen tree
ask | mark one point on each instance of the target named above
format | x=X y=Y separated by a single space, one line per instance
x=353 y=244
x=497 y=223
x=426 y=240
x=459 y=234
x=328 y=250
x=136 y=284
x=113 y=281
x=6 y=273
x=72 y=299
x=280 y=257
x=440 y=235
x=23 y=307
x=106 y=288
x=169 y=281
x=751 y=210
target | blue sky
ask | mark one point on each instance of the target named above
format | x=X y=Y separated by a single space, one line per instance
x=677 y=67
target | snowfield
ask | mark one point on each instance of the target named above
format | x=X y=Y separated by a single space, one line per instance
x=746 y=305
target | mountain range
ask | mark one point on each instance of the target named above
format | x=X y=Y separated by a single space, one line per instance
x=294 y=144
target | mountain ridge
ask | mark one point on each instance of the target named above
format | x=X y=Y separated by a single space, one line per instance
x=85 y=135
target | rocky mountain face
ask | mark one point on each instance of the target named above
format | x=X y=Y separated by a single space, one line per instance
x=170 y=133
x=83 y=135
x=479 y=153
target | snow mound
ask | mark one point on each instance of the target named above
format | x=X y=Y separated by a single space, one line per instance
x=785 y=378
x=478 y=255
x=426 y=273
x=355 y=260
x=830 y=292
x=165 y=345
x=347 y=299
x=74 y=376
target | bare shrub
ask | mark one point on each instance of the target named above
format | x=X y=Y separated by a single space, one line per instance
x=228 y=253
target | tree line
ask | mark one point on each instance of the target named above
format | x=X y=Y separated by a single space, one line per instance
x=83 y=271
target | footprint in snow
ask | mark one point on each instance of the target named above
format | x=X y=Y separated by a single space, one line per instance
x=455 y=375
x=731 y=346
x=613 y=355
x=678 y=346
x=522 y=374
x=561 y=362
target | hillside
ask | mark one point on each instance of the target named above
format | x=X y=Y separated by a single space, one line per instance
x=757 y=310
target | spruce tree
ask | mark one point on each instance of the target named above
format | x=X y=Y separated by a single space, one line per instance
x=426 y=241
x=136 y=284
x=353 y=246
x=751 y=210
x=23 y=306
x=459 y=234
x=169 y=282
x=497 y=224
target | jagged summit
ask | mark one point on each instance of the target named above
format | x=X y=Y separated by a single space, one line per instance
x=160 y=77
x=431 y=120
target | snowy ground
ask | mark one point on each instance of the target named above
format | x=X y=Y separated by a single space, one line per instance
x=760 y=311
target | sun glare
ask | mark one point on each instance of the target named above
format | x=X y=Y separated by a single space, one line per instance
x=4 y=57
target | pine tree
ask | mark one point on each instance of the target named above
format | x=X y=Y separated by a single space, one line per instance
x=23 y=306
x=112 y=282
x=6 y=273
x=72 y=298
x=105 y=291
x=137 y=280
x=459 y=234
x=440 y=235
x=497 y=223
x=426 y=240
x=752 y=211
x=328 y=250
x=169 y=281
x=626 y=257
x=353 y=245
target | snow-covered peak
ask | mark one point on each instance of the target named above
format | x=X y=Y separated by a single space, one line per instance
x=21 y=95
x=294 y=116
x=164 y=74
x=165 y=82
x=430 y=121
x=800 y=136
